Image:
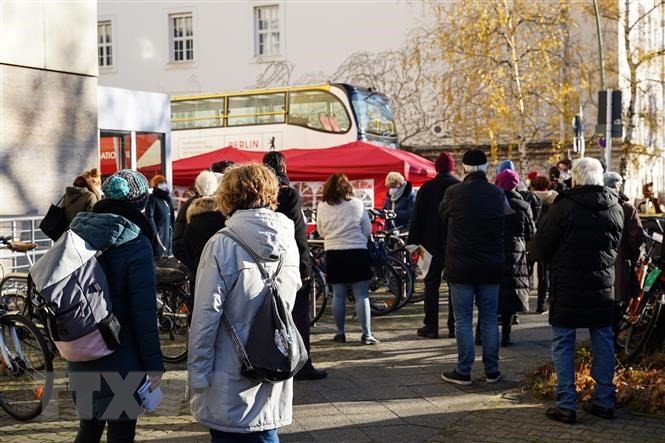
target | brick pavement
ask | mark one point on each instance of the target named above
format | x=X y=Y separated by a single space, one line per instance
x=388 y=392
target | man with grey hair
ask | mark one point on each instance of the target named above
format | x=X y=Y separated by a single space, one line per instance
x=625 y=283
x=473 y=217
x=579 y=239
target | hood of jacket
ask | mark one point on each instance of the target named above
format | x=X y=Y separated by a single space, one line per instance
x=594 y=198
x=266 y=232
x=199 y=206
x=547 y=197
x=104 y=230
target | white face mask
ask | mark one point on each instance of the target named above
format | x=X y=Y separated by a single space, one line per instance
x=565 y=175
x=163 y=186
x=393 y=191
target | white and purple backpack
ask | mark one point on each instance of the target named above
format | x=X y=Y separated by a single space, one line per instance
x=73 y=287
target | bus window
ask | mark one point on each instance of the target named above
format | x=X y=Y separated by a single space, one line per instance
x=319 y=110
x=201 y=113
x=374 y=113
x=259 y=109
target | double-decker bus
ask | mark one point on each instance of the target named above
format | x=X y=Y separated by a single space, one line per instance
x=307 y=117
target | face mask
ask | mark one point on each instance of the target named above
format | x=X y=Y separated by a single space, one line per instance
x=163 y=186
x=565 y=175
x=393 y=191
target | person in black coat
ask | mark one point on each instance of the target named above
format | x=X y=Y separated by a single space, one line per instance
x=204 y=219
x=427 y=230
x=205 y=185
x=288 y=203
x=159 y=211
x=473 y=217
x=579 y=238
x=519 y=229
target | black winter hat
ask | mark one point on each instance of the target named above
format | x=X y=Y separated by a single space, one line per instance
x=474 y=157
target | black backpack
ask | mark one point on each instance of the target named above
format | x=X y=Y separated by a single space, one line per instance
x=274 y=351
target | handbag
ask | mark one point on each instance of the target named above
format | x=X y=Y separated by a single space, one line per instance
x=55 y=223
x=274 y=351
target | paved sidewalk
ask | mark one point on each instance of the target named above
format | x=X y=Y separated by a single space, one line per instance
x=388 y=392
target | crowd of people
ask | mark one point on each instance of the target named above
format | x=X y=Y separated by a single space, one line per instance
x=573 y=225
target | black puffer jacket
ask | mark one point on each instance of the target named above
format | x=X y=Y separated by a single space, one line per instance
x=427 y=228
x=519 y=229
x=579 y=238
x=203 y=221
x=472 y=214
x=288 y=203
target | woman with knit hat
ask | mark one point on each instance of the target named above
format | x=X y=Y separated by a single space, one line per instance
x=118 y=227
x=518 y=229
x=159 y=212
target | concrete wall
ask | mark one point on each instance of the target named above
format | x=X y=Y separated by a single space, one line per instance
x=48 y=101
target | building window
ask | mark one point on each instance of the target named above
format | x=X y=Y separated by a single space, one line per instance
x=266 y=26
x=182 y=37
x=104 y=44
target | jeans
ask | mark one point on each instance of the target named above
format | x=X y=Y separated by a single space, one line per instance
x=602 y=366
x=252 y=437
x=360 y=291
x=487 y=300
x=119 y=431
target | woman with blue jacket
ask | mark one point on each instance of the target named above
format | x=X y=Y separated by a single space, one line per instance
x=118 y=228
x=400 y=199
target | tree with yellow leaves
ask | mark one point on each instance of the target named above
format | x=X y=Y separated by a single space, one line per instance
x=510 y=75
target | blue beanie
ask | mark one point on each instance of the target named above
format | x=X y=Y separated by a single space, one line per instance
x=506 y=164
x=127 y=185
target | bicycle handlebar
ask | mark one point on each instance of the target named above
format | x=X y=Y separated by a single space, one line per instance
x=5 y=240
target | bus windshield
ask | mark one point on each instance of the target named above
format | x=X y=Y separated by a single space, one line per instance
x=374 y=113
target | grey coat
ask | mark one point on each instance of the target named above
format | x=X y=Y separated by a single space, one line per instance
x=227 y=280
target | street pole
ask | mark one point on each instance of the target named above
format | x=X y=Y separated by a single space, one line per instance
x=582 y=144
x=608 y=131
x=600 y=47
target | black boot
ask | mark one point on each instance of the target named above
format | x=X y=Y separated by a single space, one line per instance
x=506 y=325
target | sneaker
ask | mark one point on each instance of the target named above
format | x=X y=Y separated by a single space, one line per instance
x=369 y=340
x=340 y=338
x=493 y=378
x=516 y=319
x=455 y=377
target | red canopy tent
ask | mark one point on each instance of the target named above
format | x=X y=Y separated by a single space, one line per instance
x=358 y=160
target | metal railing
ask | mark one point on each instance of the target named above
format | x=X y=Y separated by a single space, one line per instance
x=25 y=229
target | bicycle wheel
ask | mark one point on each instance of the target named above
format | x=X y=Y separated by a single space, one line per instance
x=173 y=316
x=14 y=290
x=634 y=337
x=407 y=276
x=26 y=368
x=386 y=288
x=318 y=296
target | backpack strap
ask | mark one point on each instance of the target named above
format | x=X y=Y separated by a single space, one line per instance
x=244 y=358
x=255 y=257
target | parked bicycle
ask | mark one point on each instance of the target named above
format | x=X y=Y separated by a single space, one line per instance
x=643 y=313
x=26 y=367
x=174 y=310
